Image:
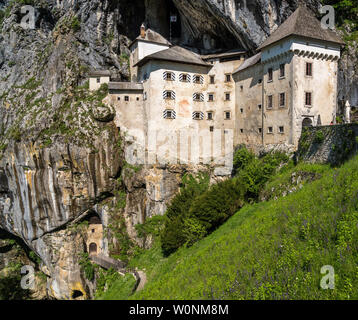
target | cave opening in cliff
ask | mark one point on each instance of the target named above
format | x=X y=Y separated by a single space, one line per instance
x=173 y=17
x=76 y=294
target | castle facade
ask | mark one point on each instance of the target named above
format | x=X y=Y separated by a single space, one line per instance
x=184 y=108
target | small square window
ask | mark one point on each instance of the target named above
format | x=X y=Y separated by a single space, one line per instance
x=259 y=107
x=126 y=98
x=119 y=98
x=260 y=130
x=137 y=98
x=260 y=81
x=227 y=115
x=241 y=130
x=281 y=129
x=210 y=116
x=227 y=96
x=211 y=97
x=270 y=129
x=93 y=230
x=98 y=80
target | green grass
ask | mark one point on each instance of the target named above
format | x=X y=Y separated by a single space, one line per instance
x=120 y=289
x=270 y=250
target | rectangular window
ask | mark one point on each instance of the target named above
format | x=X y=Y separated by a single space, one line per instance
x=270 y=130
x=281 y=129
x=282 y=99
x=260 y=130
x=282 y=70
x=227 y=115
x=119 y=98
x=228 y=77
x=211 y=97
x=126 y=98
x=227 y=96
x=259 y=106
x=241 y=130
x=308 y=69
x=308 y=99
x=270 y=74
x=210 y=116
x=211 y=129
x=212 y=79
x=184 y=78
x=198 y=79
x=98 y=80
x=269 y=102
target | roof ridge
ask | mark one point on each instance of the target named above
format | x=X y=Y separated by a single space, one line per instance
x=302 y=22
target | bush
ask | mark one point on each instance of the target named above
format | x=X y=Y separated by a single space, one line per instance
x=219 y=203
x=172 y=236
x=242 y=158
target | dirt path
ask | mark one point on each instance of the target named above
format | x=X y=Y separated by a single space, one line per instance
x=143 y=280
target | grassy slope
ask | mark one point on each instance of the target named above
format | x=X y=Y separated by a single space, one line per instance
x=271 y=250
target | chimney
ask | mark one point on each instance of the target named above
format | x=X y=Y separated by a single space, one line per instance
x=142 y=31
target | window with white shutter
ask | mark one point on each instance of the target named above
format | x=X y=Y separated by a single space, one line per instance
x=169 y=76
x=198 y=115
x=184 y=77
x=198 y=79
x=197 y=96
x=169 y=95
x=169 y=114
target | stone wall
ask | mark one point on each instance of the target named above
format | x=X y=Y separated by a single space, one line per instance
x=328 y=144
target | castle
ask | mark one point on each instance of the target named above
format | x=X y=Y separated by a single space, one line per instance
x=184 y=108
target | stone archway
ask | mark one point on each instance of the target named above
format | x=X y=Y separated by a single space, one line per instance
x=92 y=248
x=307 y=122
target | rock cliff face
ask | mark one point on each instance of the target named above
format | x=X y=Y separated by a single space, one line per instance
x=60 y=157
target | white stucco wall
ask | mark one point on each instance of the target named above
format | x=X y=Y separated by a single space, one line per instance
x=94 y=85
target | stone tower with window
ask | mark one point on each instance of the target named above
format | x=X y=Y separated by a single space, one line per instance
x=290 y=83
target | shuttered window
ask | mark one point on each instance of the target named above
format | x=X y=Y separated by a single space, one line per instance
x=198 y=79
x=169 y=95
x=184 y=77
x=169 y=114
x=169 y=76
x=198 y=96
x=198 y=115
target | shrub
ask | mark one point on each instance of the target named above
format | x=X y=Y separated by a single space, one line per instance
x=242 y=158
x=172 y=236
x=219 y=203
